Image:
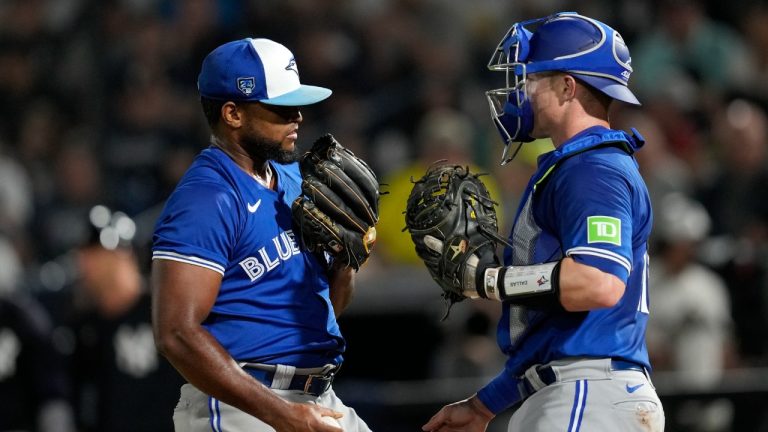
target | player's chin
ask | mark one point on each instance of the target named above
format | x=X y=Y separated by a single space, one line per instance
x=289 y=142
x=288 y=153
x=537 y=133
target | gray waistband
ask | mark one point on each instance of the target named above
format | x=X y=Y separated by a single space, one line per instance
x=539 y=376
x=322 y=370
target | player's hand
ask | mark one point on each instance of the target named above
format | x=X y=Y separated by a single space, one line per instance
x=310 y=418
x=469 y=415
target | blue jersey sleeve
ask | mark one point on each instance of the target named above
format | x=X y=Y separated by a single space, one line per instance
x=198 y=226
x=591 y=212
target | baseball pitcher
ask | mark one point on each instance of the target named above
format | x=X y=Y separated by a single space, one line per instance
x=255 y=252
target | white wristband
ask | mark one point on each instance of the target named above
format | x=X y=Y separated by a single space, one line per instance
x=518 y=281
x=491 y=282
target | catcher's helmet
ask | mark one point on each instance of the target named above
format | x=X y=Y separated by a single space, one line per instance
x=587 y=49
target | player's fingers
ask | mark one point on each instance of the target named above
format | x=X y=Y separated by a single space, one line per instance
x=446 y=428
x=334 y=425
x=327 y=412
x=434 y=423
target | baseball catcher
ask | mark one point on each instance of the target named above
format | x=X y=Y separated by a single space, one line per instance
x=339 y=208
x=452 y=221
x=574 y=282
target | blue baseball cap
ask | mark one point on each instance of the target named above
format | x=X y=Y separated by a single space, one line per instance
x=255 y=70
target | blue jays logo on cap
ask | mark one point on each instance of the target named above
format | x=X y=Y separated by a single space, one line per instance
x=246 y=85
x=292 y=66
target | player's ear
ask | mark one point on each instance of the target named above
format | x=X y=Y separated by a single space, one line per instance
x=567 y=86
x=231 y=115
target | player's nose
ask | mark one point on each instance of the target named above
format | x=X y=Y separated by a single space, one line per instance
x=294 y=115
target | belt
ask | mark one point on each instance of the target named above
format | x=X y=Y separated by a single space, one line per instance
x=541 y=376
x=315 y=383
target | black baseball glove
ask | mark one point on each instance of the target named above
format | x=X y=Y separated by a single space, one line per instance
x=452 y=221
x=339 y=208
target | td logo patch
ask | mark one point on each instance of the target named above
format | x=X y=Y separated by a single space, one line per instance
x=604 y=229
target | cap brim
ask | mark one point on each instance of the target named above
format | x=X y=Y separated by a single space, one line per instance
x=610 y=87
x=304 y=95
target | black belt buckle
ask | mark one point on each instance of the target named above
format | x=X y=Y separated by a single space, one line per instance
x=318 y=384
x=545 y=374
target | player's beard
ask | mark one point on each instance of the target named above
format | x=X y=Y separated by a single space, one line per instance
x=266 y=149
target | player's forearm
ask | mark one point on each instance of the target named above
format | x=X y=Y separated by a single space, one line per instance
x=529 y=285
x=204 y=363
x=574 y=286
x=584 y=287
x=342 y=288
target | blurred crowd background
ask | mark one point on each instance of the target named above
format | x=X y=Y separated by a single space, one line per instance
x=100 y=117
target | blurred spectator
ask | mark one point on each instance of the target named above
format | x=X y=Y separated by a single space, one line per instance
x=36 y=146
x=470 y=348
x=664 y=173
x=15 y=196
x=753 y=22
x=61 y=223
x=691 y=328
x=741 y=145
x=34 y=389
x=740 y=219
x=122 y=383
x=681 y=49
x=441 y=134
x=16 y=206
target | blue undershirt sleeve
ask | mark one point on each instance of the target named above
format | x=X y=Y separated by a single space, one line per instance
x=500 y=393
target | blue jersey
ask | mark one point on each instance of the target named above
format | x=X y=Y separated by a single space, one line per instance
x=586 y=201
x=273 y=305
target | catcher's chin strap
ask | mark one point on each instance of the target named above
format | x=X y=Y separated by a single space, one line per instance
x=527 y=285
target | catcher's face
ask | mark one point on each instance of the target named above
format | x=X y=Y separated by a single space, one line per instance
x=543 y=92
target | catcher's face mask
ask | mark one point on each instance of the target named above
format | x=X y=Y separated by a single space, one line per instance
x=585 y=48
